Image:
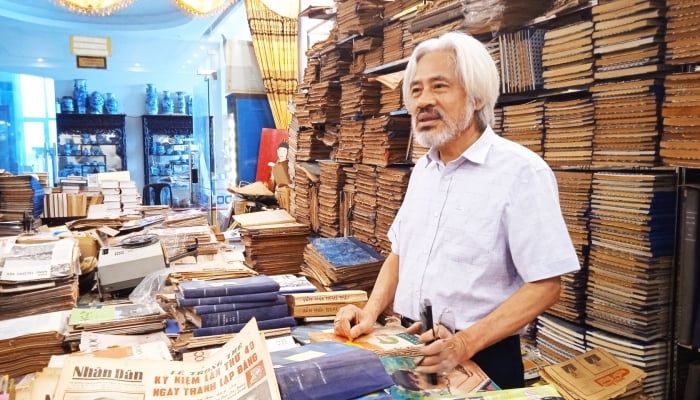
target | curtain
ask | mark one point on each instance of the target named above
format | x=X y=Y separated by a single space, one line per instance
x=275 y=44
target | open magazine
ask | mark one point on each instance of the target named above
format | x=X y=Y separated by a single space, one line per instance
x=241 y=369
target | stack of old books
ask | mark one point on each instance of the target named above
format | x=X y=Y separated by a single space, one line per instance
x=360 y=96
x=364 y=203
x=341 y=263
x=357 y=16
x=594 y=375
x=385 y=140
x=569 y=127
x=274 y=242
x=20 y=194
x=224 y=306
x=626 y=132
x=350 y=141
x=28 y=343
x=628 y=38
x=567 y=56
x=39 y=278
x=682 y=25
x=305 y=194
x=392 y=182
x=680 y=140
x=115 y=318
x=323 y=305
x=324 y=99
x=332 y=180
x=575 y=200
x=524 y=124
x=558 y=339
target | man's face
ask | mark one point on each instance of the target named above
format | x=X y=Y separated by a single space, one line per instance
x=438 y=103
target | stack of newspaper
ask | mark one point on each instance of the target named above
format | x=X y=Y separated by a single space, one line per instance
x=594 y=375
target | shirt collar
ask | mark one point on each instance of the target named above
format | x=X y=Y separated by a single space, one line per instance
x=475 y=153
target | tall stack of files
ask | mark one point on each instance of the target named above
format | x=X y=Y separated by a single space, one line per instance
x=119 y=318
x=631 y=259
x=434 y=18
x=329 y=193
x=274 y=242
x=650 y=357
x=301 y=119
x=521 y=60
x=567 y=56
x=628 y=38
x=346 y=201
x=391 y=97
x=324 y=102
x=305 y=194
x=436 y=30
x=364 y=206
x=575 y=202
x=310 y=145
x=392 y=182
x=385 y=140
x=524 y=124
x=28 y=343
x=356 y=17
x=350 y=141
x=360 y=96
x=360 y=47
x=341 y=263
x=558 y=339
x=569 y=126
x=335 y=63
x=19 y=194
x=682 y=32
x=626 y=123
x=393 y=39
x=39 y=278
x=680 y=140
x=222 y=306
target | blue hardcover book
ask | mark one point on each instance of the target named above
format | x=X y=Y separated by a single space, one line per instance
x=346 y=251
x=236 y=298
x=228 y=287
x=217 y=308
x=328 y=370
x=284 y=322
x=238 y=316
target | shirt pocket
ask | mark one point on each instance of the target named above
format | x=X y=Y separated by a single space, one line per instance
x=470 y=226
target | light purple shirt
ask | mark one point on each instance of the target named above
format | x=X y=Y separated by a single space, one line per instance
x=470 y=233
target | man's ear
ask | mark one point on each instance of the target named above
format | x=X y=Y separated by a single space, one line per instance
x=478 y=104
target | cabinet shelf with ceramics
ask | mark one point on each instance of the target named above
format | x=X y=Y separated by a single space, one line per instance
x=167 y=143
x=90 y=143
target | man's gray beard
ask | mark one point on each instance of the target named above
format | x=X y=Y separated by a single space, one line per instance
x=437 y=139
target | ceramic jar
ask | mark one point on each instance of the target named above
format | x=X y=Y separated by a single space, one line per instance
x=97 y=102
x=180 y=103
x=80 y=95
x=151 y=99
x=67 y=106
x=111 y=104
x=168 y=103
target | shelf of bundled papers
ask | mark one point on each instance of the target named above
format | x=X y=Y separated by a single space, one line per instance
x=539 y=94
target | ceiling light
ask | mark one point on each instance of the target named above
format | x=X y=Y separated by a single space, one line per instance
x=94 y=7
x=203 y=8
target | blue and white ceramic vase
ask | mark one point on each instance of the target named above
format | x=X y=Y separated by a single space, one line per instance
x=168 y=103
x=111 y=104
x=188 y=100
x=151 y=99
x=180 y=103
x=96 y=102
x=80 y=95
x=67 y=106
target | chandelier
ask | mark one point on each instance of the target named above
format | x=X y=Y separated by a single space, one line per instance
x=94 y=7
x=203 y=8
x=199 y=8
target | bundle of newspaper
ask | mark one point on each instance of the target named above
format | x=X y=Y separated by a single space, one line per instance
x=594 y=375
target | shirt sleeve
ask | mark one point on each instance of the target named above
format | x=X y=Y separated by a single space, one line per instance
x=538 y=240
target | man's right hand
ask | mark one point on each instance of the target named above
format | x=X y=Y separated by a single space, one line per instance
x=352 y=321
